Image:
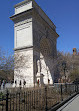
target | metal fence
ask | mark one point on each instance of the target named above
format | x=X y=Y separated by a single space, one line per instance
x=36 y=99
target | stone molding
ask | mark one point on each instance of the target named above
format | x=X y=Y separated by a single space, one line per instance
x=23 y=22
x=20 y=15
x=21 y=48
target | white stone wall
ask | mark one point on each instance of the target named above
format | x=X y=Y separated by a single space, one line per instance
x=22 y=44
x=23 y=35
x=24 y=68
x=47 y=70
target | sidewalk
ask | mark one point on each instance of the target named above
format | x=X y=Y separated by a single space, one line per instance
x=72 y=105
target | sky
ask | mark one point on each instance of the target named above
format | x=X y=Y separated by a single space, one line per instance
x=63 y=13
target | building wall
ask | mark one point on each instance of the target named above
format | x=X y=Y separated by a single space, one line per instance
x=44 y=41
x=23 y=34
x=23 y=46
x=24 y=67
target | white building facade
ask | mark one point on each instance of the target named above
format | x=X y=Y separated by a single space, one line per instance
x=35 y=40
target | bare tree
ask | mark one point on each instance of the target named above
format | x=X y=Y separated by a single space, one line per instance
x=20 y=63
x=6 y=66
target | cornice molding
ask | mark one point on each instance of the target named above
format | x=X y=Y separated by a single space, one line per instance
x=22 y=22
x=22 y=3
x=21 y=14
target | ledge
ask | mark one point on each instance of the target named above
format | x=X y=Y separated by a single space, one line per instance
x=19 y=14
x=21 y=48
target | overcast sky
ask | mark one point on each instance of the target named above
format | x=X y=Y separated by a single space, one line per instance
x=63 y=13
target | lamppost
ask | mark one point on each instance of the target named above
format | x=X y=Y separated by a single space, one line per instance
x=64 y=68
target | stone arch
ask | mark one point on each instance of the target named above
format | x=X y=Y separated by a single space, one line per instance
x=46 y=66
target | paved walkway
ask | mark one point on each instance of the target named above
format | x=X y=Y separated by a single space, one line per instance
x=72 y=105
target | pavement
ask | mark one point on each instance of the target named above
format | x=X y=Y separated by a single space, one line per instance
x=72 y=105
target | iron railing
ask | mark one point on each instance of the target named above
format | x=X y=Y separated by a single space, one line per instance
x=36 y=99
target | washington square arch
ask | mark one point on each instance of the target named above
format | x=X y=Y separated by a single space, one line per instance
x=35 y=40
